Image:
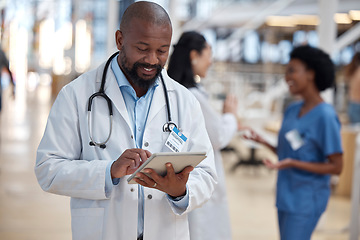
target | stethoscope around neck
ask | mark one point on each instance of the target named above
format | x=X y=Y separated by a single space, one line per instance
x=168 y=126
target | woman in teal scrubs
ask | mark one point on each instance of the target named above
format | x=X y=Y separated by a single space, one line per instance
x=309 y=145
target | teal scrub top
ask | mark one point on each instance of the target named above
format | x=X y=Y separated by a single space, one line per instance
x=300 y=191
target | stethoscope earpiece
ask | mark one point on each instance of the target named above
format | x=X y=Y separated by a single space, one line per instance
x=91 y=143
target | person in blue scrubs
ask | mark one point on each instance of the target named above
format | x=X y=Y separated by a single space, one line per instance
x=309 y=145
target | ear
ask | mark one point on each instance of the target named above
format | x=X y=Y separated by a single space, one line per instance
x=193 y=55
x=310 y=75
x=119 y=39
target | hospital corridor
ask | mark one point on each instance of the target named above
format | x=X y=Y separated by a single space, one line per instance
x=223 y=77
x=28 y=213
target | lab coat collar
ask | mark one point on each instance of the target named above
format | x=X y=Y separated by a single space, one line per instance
x=113 y=91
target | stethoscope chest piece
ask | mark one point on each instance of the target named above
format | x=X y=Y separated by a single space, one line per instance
x=169 y=126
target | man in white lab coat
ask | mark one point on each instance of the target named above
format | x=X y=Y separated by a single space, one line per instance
x=103 y=204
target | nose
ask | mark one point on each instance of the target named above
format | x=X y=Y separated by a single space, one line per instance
x=151 y=58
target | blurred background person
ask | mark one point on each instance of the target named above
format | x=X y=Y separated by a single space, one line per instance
x=192 y=56
x=309 y=145
x=352 y=77
x=4 y=67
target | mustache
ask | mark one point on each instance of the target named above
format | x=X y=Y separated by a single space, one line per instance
x=147 y=65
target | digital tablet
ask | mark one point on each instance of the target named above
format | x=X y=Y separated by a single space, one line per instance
x=179 y=160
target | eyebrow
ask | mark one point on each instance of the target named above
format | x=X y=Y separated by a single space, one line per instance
x=146 y=44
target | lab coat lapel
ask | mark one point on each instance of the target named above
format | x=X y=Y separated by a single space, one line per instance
x=157 y=103
x=113 y=91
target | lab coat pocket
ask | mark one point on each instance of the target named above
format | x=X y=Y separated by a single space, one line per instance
x=87 y=223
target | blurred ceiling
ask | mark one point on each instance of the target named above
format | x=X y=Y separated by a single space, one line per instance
x=238 y=14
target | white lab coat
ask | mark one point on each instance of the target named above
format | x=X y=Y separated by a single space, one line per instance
x=212 y=220
x=67 y=165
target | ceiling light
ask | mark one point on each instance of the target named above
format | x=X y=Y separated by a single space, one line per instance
x=306 y=19
x=280 y=21
x=342 y=18
x=354 y=15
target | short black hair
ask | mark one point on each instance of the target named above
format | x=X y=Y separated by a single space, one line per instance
x=148 y=11
x=318 y=61
x=179 y=67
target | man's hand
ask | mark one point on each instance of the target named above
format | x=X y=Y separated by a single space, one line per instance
x=128 y=162
x=172 y=184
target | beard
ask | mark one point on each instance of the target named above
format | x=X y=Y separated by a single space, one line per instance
x=131 y=72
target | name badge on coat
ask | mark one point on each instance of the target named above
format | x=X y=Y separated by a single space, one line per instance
x=176 y=140
x=295 y=139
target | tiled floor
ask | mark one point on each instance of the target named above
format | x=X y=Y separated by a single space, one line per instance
x=26 y=212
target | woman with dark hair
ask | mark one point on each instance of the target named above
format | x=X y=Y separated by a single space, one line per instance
x=191 y=57
x=309 y=145
x=352 y=76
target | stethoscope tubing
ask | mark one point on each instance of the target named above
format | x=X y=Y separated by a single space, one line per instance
x=101 y=93
x=168 y=126
x=94 y=143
